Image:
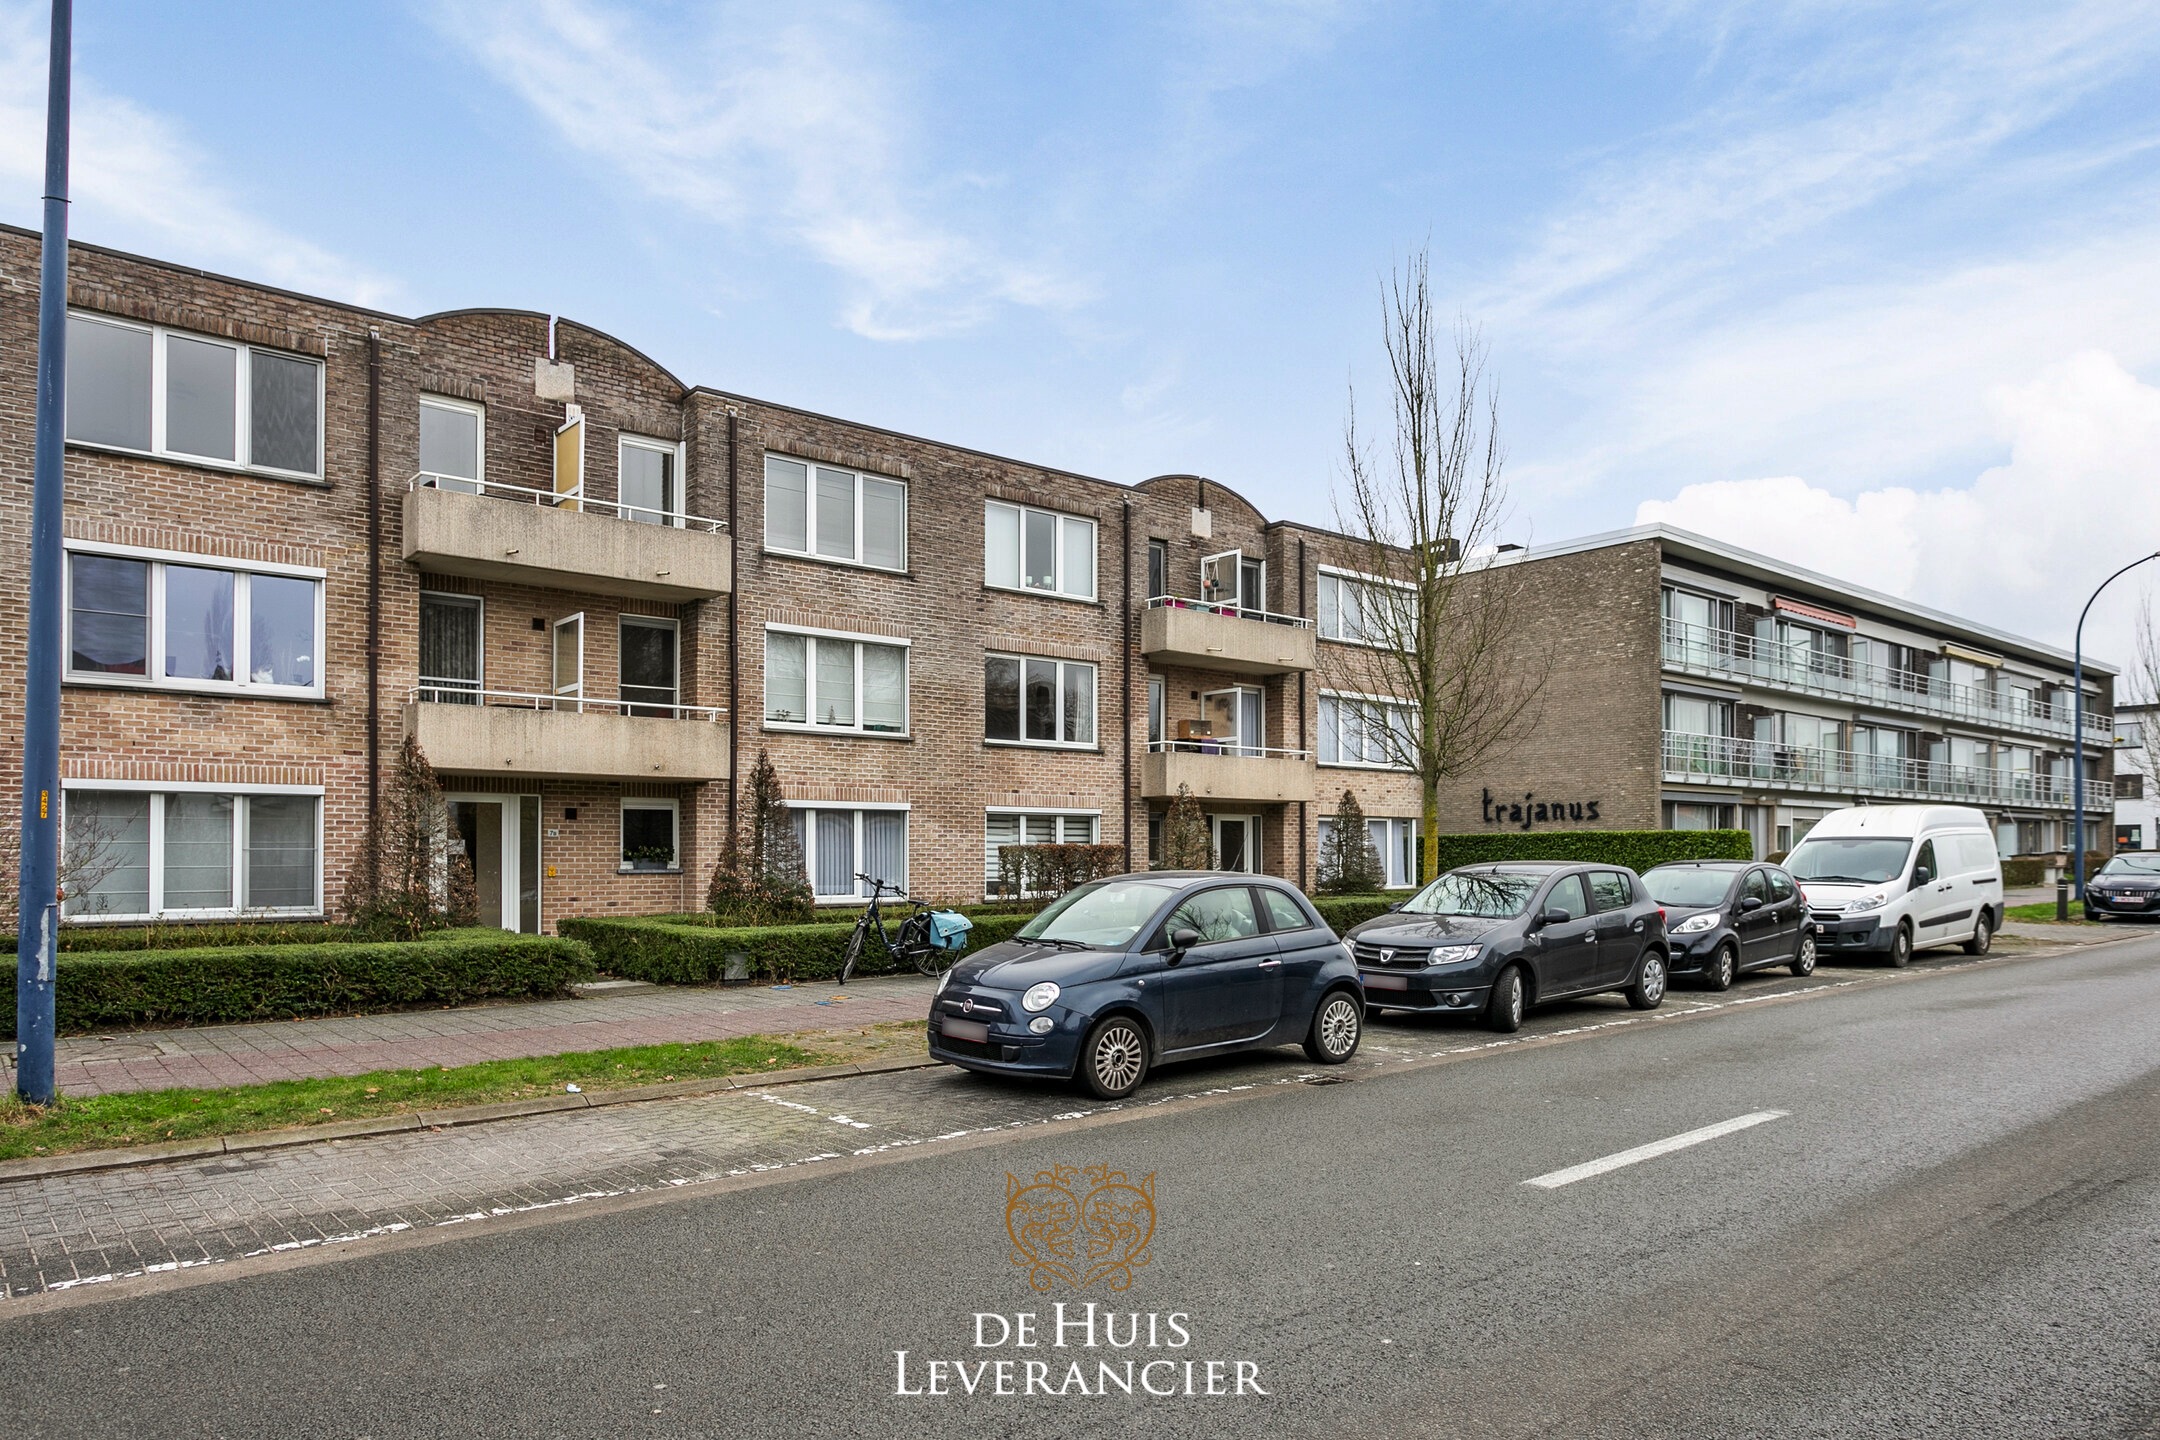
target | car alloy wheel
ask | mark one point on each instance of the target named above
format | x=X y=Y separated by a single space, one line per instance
x=1504 y=1011
x=1723 y=967
x=1803 y=963
x=1115 y=1059
x=1336 y=1029
x=1648 y=991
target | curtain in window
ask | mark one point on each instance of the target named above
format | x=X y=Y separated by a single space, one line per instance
x=1079 y=543
x=1040 y=694
x=107 y=853
x=884 y=523
x=110 y=605
x=201 y=390
x=198 y=852
x=833 y=871
x=648 y=667
x=108 y=383
x=281 y=630
x=1001 y=698
x=884 y=688
x=787 y=504
x=1330 y=730
x=835 y=513
x=1001 y=545
x=836 y=682
x=998 y=831
x=449 y=649
x=885 y=846
x=1041 y=550
x=281 y=412
x=1080 y=704
x=646 y=484
x=786 y=695
x=450 y=446
x=281 y=866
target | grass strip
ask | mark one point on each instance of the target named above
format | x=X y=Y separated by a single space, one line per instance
x=145 y=1117
x=2044 y=914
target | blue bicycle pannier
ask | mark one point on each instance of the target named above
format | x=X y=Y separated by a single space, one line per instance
x=949 y=929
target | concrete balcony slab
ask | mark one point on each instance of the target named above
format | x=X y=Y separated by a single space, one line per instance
x=573 y=744
x=487 y=537
x=1210 y=639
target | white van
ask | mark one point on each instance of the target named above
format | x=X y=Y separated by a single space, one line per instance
x=1892 y=879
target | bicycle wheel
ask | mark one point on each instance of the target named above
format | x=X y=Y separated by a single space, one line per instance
x=912 y=944
x=854 y=950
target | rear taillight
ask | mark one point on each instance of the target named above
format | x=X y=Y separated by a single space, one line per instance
x=1661 y=914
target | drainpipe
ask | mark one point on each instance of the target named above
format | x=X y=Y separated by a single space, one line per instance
x=1304 y=874
x=1126 y=747
x=734 y=649
x=372 y=862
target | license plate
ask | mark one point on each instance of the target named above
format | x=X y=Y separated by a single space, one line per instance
x=2129 y=899
x=1385 y=982
x=964 y=1029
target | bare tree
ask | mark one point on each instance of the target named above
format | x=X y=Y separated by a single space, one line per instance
x=2143 y=684
x=89 y=855
x=1437 y=625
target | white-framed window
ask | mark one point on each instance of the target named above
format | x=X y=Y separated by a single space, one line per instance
x=189 y=622
x=834 y=682
x=648 y=665
x=165 y=392
x=1367 y=730
x=1363 y=609
x=828 y=512
x=1038 y=551
x=1157 y=726
x=138 y=852
x=453 y=648
x=453 y=443
x=651 y=832
x=841 y=842
x=1005 y=826
x=1397 y=844
x=648 y=480
x=1030 y=701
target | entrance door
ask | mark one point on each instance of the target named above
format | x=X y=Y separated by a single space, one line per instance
x=570 y=662
x=1237 y=720
x=498 y=836
x=1237 y=842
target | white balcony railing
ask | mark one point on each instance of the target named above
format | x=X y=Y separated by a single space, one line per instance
x=1234 y=612
x=1727 y=759
x=435 y=690
x=1728 y=655
x=1227 y=746
x=573 y=500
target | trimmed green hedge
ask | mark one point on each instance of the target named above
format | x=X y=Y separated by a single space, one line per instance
x=1636 y=849
x=220 y=984
x=206 y=935
x=669 y=951
x=1344 y=911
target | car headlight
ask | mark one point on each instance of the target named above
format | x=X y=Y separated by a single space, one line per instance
x=1866 y=902
x=1696 y=924
x=1452 y=954
x=1039 y=997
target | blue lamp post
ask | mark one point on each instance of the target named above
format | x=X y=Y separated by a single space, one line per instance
x=2077 y=728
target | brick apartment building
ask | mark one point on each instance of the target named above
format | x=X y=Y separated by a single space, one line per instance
x=300 y=531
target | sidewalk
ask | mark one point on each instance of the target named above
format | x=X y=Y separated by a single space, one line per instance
x=603 y=1017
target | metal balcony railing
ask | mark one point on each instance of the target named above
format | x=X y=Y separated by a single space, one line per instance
x=1729 y=759
x=1226 y=745
x=1234 y=612
x=573 y=500
x=1728 y=655
x=437 y=690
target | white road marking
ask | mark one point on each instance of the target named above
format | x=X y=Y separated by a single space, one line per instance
x=1655 y=1148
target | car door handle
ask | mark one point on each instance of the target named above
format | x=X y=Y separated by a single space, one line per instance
x=1271 y=964
x=1591 y=938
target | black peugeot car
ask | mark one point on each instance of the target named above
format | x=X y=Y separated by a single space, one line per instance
x=1496 y=939
x=2127 y=885
x=1118 y=975
x=1727 y=917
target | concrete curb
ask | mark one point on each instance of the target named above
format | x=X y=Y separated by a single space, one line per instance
x=38 y=1167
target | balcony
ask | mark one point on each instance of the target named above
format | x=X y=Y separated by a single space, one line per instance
x=1764 y=764
x=531 y=537
x=1226 y=773
x=1224 y=637
x=1728 y=655
x=504 y=732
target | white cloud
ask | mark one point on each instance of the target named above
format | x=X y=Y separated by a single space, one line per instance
x=137 y=181
x=779 y=122
x=2019 y=548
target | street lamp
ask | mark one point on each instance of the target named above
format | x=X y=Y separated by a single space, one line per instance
x=2077 y=725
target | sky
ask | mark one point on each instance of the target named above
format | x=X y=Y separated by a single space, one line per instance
x=1871 y=287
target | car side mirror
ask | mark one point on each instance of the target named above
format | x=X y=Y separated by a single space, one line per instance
x=1554 y=915
x=1182 y=939
x=1921 y=875
x=1750 y=902
x=1392 y=909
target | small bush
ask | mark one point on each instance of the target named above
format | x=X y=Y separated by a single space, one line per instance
x=213 y=985
x=668 y=952
x=1639 y=850
x=1349 y=863
x=1344 y=911
x=1051 y=870
x=2024 y=874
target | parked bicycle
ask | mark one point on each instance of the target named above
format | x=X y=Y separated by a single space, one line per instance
x=919 y=940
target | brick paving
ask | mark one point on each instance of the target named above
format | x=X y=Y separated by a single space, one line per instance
x=603 y=1018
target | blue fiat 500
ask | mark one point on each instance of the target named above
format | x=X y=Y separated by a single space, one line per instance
x=1124 y=974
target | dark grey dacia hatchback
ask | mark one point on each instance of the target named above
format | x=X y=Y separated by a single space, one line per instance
x=1493 y=940
x=1122 y=974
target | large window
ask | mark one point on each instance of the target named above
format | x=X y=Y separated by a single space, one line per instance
x=835 y=683
x=1038 y=702
x=1396 y=843
x=1030 y=827
x=828 y=513
x=136 y=618
x=838 y=845
x=1362 y=611
x=452 y=628
x=1028 y=549
x=649 y=484
x=649 y=829
x=452 y=452
x=1359 y=731
x=146 y=388
x=139 y=855
x=649 y=671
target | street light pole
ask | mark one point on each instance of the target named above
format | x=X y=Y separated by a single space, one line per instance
x=37 y=917
x=2077 y=725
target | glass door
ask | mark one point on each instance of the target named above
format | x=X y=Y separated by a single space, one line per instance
x=1219 y=578
x=1237 y=842
x=648 y=661
x=450 y=664
x=570 y=662
x=1236 y=716
x=498 y=837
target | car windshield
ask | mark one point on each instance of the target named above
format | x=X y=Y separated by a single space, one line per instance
x=1484 y=893
x=2132 y=865
x=1687 y=885
x=1856 y=860
x=1101 y=916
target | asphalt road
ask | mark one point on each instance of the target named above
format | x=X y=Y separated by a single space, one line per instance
x=1951 y=1228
